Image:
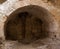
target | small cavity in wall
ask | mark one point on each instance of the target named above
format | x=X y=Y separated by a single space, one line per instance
x=28 y=24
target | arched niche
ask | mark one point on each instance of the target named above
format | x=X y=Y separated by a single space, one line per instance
x=29 y=23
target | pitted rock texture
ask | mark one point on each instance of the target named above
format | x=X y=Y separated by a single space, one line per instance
x=46 y=10
x=55 y=3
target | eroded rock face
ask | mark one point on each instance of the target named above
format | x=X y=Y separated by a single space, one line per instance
x=29 y=20
x=55 y=3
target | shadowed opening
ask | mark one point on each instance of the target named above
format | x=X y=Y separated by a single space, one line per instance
x=27 y=24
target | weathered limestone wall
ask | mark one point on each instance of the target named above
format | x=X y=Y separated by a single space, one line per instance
x=9 y=6
x=48 y=11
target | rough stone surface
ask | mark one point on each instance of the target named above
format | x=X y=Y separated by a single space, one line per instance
x=47 y=10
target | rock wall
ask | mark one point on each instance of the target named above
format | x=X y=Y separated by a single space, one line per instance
x=42 y=21
x=48 y=7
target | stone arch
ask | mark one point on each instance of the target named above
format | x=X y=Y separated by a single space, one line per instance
x=36 y=12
